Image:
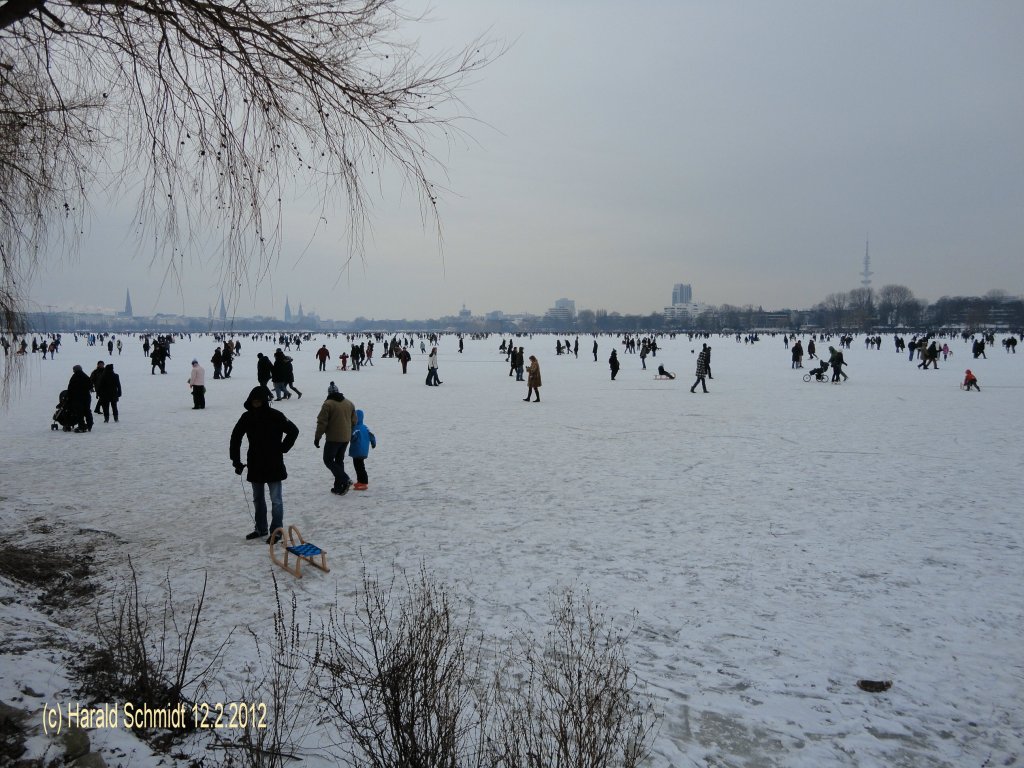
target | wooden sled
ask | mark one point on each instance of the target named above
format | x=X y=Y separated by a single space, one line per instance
x=293 y=544
x=665 y=378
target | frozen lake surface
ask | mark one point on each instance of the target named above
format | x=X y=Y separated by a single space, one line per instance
x=779 y=540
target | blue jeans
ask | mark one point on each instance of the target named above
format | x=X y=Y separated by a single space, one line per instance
x=276 y=504
x=334 y=460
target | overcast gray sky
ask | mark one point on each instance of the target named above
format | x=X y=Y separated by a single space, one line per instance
x=746 y=148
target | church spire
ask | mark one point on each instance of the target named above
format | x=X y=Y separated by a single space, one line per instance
x=127 y=303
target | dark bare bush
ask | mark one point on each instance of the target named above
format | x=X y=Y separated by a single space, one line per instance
x=145 y=652
x=572 y=701
x=401 y=677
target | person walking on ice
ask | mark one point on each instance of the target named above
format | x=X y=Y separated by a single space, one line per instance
x=432 y=380
x=359 y=449
x=334 y=423
x=270 y=435
x=702 y=370
x=837 y=362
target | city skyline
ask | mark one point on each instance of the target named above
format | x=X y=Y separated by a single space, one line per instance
x=682 y=305
x=751 y=149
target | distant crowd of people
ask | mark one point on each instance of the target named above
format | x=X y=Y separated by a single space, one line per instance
x=341 y=427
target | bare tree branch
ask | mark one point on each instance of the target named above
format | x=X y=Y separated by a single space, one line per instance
x=219 y=107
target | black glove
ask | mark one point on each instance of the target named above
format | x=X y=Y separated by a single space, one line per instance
x=239 y=468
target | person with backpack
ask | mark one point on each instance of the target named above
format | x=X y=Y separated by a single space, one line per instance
x=359 y=449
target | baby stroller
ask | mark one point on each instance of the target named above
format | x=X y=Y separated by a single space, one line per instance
x=817 y=374
x=64 y=416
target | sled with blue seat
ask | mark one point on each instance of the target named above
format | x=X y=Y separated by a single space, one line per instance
x=294 y=546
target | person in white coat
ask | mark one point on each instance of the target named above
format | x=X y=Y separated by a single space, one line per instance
x=432 y=380
x=197 y=381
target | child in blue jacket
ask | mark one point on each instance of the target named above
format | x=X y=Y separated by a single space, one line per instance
x=359 y=448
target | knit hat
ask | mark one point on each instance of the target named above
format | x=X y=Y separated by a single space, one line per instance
x=195 y=362
x=332 y=388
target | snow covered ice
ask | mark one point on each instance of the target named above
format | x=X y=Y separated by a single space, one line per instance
x=779 y=540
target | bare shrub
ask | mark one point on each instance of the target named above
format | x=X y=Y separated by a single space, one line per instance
x=280 y=687
x=401 y=678
x=572 y=701
x=146 y=652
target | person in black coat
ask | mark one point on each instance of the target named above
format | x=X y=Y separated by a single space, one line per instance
x=108 y=391
x=228 y=359
x=264 y=369
x=271 y=435
x=79 y=399
x=290 y=374
x=218 y=361
x=613 y=363
x=281 y=372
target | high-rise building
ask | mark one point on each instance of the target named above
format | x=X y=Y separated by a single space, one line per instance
x=564 y=311
x=566 y=305
x=682 y=293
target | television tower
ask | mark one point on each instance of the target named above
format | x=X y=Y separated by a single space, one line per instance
x=867 y=273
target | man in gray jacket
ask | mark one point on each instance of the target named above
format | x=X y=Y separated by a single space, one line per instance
x=335 y=424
